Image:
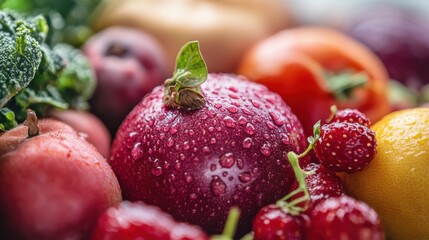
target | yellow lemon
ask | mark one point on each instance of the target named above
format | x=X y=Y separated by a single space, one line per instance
x=396 y=182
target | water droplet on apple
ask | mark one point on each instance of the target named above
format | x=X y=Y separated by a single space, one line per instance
x=247 y=142
x=217 y=186
x=242 y=120
x=249 y=129
x=227 y=160
x=244 y=177
x=266 y=150
x=240 y=163
x=189 y=178
x=156 y=171
x=229 y=122
x=232 y=109
x=170 y=142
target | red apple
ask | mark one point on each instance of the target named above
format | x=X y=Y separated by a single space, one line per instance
x=128 y=64
x=89 y=126
x=53 y=184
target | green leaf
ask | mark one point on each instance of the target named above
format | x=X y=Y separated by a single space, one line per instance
x=77 y=82
x=191 y=70
x=7 y=119
x=20 y=56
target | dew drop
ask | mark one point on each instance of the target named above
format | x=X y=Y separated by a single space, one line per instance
x=232 y=109
x=233 y=96
x=217 y=187
x=182 y=156
x=249 y=129
x=186 y=145
x=188 y=178
x=227 y=160
x=255 y=103
x=240 y=163
x=191 y=132
x=247 y=142
x=170 y=142
x=277 y=119
x=242 y=120
x=217 y=105
x=206 y=149
x=193 y=196
x=213 y=167
x=137 y=151
x=229 y=122
x=177 y=165
x=156 y=171
x=270 y=125
x=213 y=140
x=244 y=177
x=173 y=130
x=225 y=173
x=233 y=89
x=266 y=150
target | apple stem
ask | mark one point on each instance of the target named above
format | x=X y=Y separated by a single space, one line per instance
x=31 y=122
x=183 y=90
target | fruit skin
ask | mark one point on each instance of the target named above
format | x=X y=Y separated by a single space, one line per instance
x=196 y=165
x=128 y=64
x=321 y=185
x=136 y=220
x=87 y=124
x=294 y=63
x=351 y=116
x=345 y=147
x=344 y=218
x=54 y=185
x=272 y=223
x=395 y=183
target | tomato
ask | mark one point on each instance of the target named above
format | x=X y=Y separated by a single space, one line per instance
x=313 y=68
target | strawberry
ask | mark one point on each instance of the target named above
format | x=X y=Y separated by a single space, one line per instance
x=343 y=217
x=321 y=185
x=273 y=223
x=351 y=116
x=345 y=147
x=140 y=221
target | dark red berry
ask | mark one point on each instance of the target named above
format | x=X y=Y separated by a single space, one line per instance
x=345 y=147
x=344 y=218
x=273 y=223
x=321 y=185
x=351 y=116
x=137 y=220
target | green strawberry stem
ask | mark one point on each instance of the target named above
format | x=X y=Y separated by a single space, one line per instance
x=31 y=123
x=293 y=207
x=183 y=90
x=230 y=225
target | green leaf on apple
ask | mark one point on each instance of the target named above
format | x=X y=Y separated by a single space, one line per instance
x=191 y=70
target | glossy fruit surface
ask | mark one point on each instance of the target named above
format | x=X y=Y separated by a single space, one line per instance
x=395 y=183
x=89 y=126
x=138 y=221
x=197 y=164
x=344 y=218
x=304 y=66
x=321 y=185
x=345 y=147
x=272 y=223
x=54 y=185
x=128 y=64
